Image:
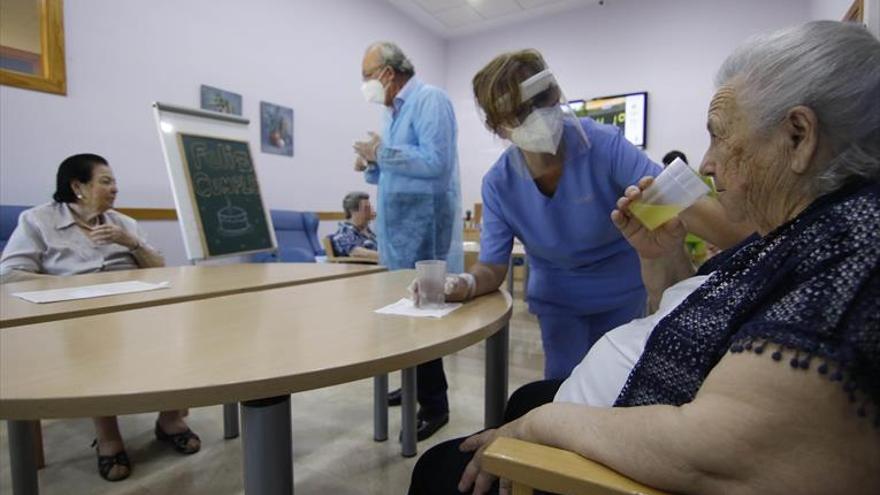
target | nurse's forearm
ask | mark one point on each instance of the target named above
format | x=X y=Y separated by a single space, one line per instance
x=658 y=274
x=489 y=277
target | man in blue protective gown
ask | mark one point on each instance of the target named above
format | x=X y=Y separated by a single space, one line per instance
x=415 y=165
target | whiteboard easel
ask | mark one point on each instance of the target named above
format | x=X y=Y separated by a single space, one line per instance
x=172 y=120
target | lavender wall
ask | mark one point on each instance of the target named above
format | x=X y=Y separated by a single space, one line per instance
x=121 y=56
x=306 y=54
x=671 y=48
x=829 y=9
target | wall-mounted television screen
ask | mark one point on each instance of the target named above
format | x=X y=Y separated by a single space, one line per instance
x=629 y=112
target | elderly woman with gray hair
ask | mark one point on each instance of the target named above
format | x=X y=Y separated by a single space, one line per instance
x=766 y=379
x=353 y=237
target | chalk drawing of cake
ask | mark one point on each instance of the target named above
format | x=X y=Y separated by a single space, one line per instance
x=233 y=220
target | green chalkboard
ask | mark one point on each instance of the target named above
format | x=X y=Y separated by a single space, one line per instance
x=226 y=195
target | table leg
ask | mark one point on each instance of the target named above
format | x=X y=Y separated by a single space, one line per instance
x=408 y=412
x=38 y=445
x=267 y=446
x=22 y=457
x=510 y=276
x=380 y=407
x=230 y=420
x=496 y=377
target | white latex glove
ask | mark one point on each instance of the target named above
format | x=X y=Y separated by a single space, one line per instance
x=456 y=288
x=369 y=148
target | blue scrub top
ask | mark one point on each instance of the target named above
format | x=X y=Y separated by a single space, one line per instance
x=579 y=262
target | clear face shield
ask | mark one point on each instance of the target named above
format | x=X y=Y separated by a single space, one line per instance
x=546 y=121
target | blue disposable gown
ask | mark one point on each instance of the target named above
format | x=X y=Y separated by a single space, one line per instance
x=419 y=202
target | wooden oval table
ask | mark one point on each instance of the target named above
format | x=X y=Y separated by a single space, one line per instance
x=255 y=348
x=188 y=283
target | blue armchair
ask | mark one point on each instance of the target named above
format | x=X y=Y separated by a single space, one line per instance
x=8 y=221
x=297 y=236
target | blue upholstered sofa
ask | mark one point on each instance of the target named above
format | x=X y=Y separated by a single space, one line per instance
x=8 y=220
x=297 y=236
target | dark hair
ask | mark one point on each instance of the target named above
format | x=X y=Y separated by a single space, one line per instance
x=76 y=167
x=352 y=202
x=672 y=155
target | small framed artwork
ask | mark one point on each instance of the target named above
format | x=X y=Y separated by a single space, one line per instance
x=218 y=100
x=276 y=129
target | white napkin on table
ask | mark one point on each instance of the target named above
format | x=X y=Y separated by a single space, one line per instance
x=89 y=291
x=405 y=307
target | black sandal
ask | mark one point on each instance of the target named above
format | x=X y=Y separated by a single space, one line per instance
x=180 y=441
x=107 y=462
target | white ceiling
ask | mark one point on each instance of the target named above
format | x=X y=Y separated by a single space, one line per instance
x=452 y=18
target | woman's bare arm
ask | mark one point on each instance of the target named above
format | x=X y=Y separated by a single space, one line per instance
x=757 y=426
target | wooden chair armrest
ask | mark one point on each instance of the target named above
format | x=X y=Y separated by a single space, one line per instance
x=554 y=470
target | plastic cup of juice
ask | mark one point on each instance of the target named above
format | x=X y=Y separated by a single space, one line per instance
x=675 y=189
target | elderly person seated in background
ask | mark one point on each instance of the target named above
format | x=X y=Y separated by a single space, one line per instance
x=354 y=237
x=766 y=378
x=80 y=233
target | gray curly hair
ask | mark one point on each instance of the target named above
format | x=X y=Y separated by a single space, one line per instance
x=352 y=202
x=393 y=57
x=831 y=67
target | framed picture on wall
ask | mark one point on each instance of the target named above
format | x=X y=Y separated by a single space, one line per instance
x=219 y=100
x=276 y=129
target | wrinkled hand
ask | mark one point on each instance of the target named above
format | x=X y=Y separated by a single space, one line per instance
x=649 y=244
x=368 y=149
x=112 y=234
x=473 y=475
x=360 y=164
x=455 y=288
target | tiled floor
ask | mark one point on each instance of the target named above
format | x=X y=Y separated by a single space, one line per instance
x=332 y=434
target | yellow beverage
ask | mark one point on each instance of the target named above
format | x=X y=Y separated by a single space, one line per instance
x=653 y=216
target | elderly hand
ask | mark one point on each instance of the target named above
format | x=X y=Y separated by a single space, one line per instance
x=360 y=164
x=456 y=288
x=473 y=475
x=369 y=148
x=112 y=234
x=649 y=244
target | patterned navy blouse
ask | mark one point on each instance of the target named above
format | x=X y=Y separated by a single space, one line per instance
x=348 y=237
x=811 y=286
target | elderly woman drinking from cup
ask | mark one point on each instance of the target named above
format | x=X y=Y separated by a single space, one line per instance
x=766 y=379
x=77 y=233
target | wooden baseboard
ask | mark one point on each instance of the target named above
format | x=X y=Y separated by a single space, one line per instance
x=170 y=214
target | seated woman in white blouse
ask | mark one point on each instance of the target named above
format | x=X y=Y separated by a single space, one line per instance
x=80 y=233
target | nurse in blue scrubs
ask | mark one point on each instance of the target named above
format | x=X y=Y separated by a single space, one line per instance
x=554 y=189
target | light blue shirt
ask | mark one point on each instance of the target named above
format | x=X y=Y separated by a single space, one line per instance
x=419 y=202
x=579 y=262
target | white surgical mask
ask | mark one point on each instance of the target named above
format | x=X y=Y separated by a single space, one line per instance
x=541 y=131
x=373 y=91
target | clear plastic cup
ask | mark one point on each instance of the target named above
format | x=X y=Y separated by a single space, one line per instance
x=675 y=189
x=431 y=278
